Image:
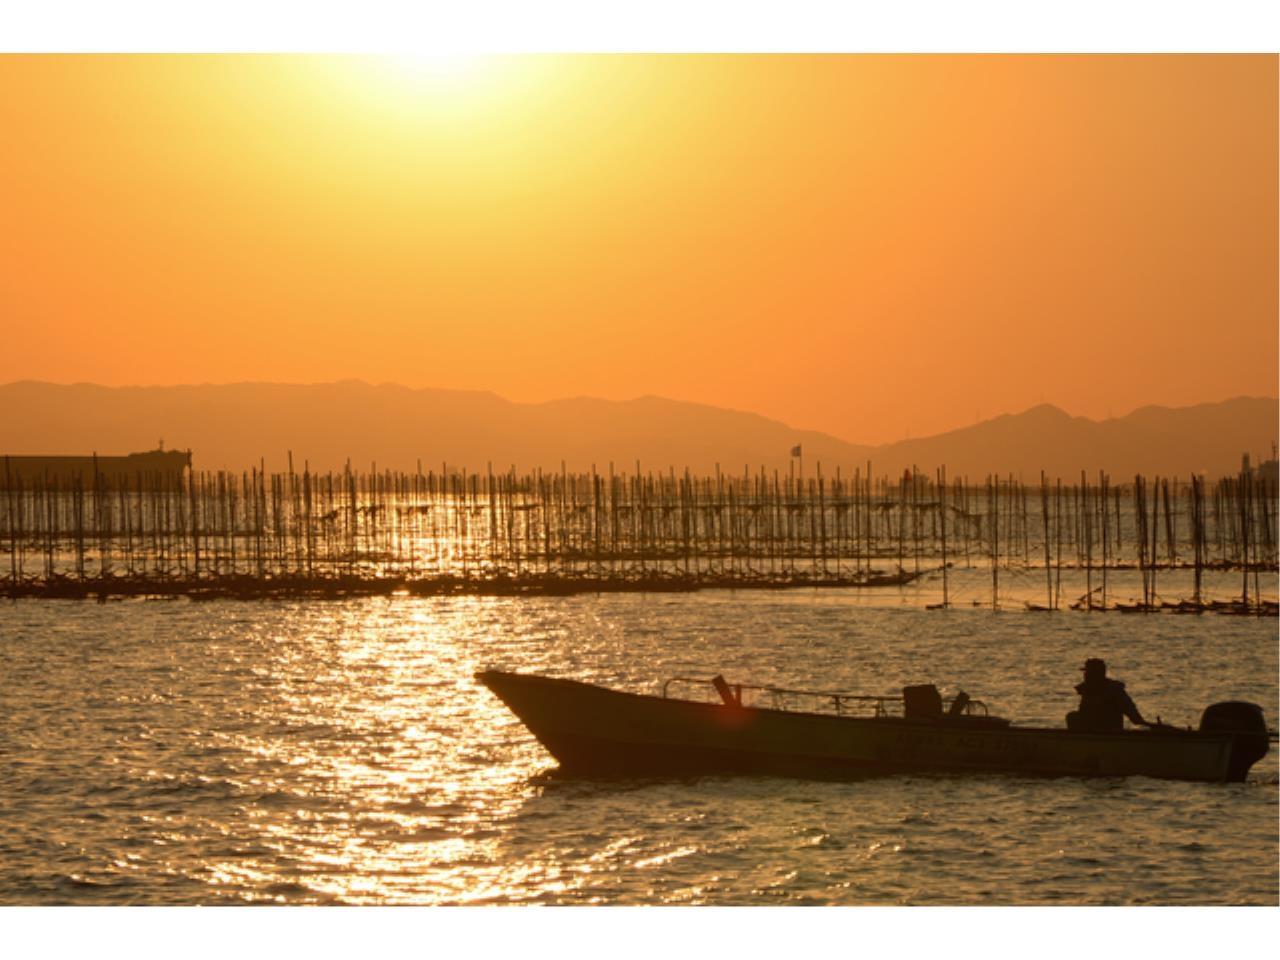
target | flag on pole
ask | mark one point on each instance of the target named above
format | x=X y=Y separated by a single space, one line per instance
x=795 y=451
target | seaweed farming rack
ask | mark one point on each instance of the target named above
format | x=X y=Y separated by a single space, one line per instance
x=1089 y=542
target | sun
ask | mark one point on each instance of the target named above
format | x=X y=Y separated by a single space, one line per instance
x=434 y=64
x=429 y=82
x=433 y=72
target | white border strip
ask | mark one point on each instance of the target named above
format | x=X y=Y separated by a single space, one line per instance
x=807 y=26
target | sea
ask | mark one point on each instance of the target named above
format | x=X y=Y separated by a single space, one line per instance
x=341 y=752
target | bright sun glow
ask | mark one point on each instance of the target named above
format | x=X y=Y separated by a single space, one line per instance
x=447 y=82
x=434 y=64
x=431 y=72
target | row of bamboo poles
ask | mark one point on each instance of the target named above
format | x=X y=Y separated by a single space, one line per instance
x=255 y=533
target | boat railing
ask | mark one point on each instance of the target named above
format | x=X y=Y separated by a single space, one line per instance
x=811 y=701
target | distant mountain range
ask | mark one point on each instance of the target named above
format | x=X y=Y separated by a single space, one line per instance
x=326 y=425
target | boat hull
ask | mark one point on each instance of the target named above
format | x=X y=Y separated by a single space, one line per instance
x=594 y=731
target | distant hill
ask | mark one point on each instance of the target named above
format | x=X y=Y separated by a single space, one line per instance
x=232 y=426
x=1207 y=438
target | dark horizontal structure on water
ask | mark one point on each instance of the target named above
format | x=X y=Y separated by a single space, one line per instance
x=21 y=472
x=176 y=531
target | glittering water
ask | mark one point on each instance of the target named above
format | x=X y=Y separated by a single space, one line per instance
x=172 y=752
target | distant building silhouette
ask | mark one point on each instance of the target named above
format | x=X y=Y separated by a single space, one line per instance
x=170 y=465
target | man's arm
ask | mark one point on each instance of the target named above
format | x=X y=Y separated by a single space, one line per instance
x=1131 y=709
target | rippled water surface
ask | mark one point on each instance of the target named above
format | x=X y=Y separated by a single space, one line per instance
x=171 y=752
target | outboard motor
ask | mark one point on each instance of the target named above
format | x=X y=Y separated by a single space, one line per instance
x=1250 y=741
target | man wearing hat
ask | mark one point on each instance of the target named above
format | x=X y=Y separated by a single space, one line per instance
x=1103 y=702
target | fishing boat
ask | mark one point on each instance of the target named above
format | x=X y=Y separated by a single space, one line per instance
x=719 y=728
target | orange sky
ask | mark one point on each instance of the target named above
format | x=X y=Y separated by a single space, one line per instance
x=872 y=246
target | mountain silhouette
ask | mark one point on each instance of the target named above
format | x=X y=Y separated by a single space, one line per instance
x=234 y=426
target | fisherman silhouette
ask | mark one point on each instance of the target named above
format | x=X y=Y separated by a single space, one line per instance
x=1103 y=702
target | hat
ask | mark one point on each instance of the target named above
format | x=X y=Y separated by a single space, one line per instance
x=1094 y=663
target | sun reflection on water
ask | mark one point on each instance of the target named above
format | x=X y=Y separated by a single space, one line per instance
x=370 y=721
